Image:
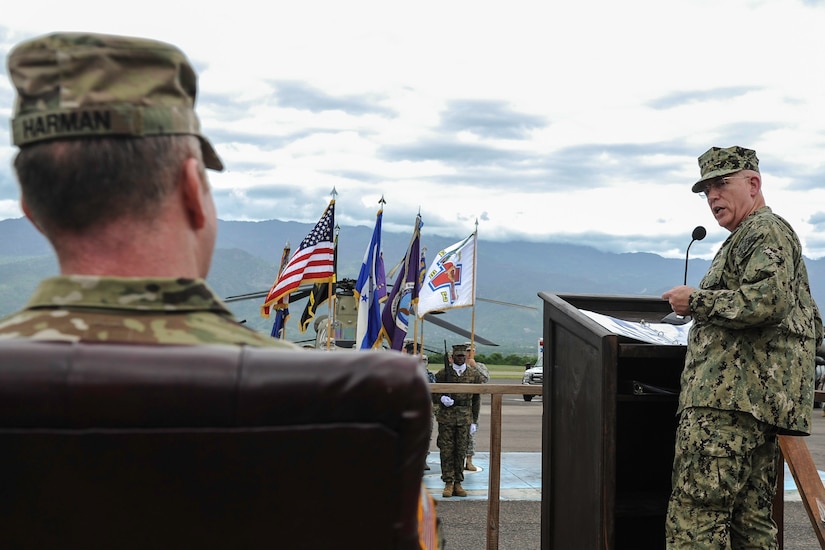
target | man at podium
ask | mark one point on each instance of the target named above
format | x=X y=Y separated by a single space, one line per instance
x=748 y=372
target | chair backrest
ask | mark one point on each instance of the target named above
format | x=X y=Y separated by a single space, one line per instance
x=120 y=446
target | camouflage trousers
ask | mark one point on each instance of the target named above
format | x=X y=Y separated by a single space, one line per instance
x=724 y=480
x=432 y=424
x=471 y=445
x=452 y=444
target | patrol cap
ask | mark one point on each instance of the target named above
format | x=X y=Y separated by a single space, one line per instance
x=76 y=85
x=460 y=349
x=718 y=161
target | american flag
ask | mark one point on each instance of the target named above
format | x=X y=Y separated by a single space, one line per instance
x=313 y=262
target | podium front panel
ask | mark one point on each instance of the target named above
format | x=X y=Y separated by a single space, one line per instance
x=609 y=419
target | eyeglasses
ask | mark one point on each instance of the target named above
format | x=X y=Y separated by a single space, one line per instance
x=717 y=185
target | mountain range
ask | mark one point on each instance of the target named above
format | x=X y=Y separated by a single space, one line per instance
x=509 y=275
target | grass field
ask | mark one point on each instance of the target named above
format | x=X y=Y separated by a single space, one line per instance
x=505 y=371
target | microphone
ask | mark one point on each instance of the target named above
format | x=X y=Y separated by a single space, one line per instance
x=698 y=234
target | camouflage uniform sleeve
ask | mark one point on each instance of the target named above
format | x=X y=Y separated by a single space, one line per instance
x=483 y=371
x=477 y=398
x=439 y=378
x=755 y=284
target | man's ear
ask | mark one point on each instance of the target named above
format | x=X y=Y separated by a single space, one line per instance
x=755 y=182
x=192 y=191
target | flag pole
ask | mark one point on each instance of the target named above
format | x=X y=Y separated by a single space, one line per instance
x=330 y=310
x=331 y=303
x=420 y=275
x=284 y=260
x=421 y=344
x=330 y=291
x=475 y=263
x=380 y=258
x=415 y=333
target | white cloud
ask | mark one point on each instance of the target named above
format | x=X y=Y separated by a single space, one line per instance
x=376 y=98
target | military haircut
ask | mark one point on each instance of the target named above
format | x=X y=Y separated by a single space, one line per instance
x=83 y=184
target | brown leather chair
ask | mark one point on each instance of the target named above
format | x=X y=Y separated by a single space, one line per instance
x=120 y=446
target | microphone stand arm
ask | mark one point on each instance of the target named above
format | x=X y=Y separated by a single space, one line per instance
x=698 y=234
x=686 y=260
x=672 y=317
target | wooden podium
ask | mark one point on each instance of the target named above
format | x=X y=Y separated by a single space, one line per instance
x=610 y=423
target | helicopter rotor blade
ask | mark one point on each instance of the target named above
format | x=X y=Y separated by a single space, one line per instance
x=294 y=297
x=249 y=296
x=431 y=318
x=304 y=292
x=509 y=304
x=457 y=329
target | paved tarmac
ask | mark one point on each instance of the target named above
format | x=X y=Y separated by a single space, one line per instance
x=465 y=519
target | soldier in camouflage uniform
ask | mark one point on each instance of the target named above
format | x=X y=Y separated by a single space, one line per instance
x=112 y=170
x=457 y=414
x=749 y=365
x=485 y=377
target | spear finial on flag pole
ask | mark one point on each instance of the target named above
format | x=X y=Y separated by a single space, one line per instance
x=333 y=193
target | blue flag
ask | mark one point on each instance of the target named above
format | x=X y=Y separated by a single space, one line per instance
x=278 y=325
x=370 y=291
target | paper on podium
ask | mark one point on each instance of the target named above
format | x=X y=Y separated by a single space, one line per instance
x=652 y=333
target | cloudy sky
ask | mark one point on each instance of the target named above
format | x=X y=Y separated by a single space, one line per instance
x=555 y=121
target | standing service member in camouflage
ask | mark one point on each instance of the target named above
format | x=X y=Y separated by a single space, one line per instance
x=112 y=170
x=457 y=414
x=749 y=365
x=485 y=377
